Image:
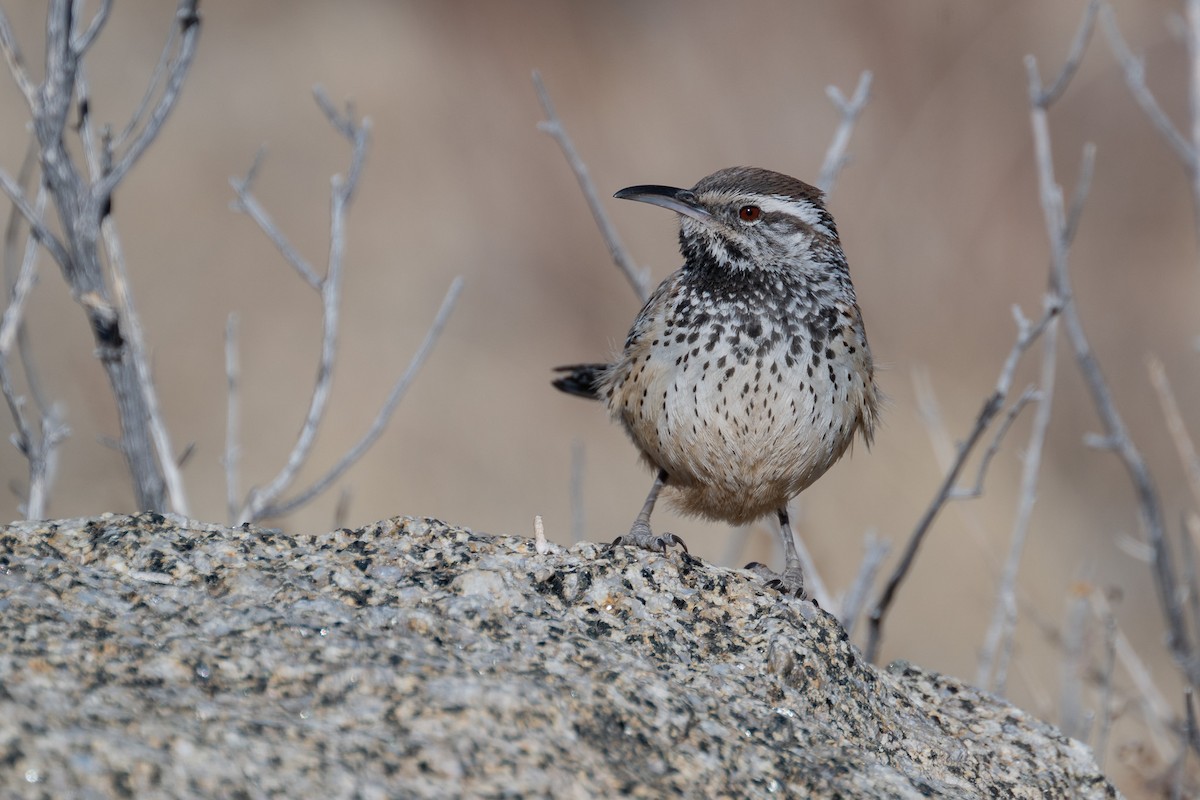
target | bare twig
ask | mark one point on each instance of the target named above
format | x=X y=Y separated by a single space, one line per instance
x=1135 y=79
x=639 y=279
x=1193 y=730
x=13 y=227
x=355 y=132
x=97 y=159
x=54 y=95
x=188 y=19
x=1186 y=147
x=385 y=413
x=1030 y=395
x=875 y=550
x=83 y=203
x=233 y=419
x=835 y=156
x=248 y=204
x=24 y=438
x=577 y=465
x=265 y=501
x=40 y=447
x=930 y=411
x=341 y=193
x=1192 y=15
x=185 y=455
x=1190 y=738
x=37 y=227
x=1149 y=699
x=997 y=647
x=944 y=450
x=1191 y=561
x=14 y=315
x=41 y=450
x=996 y=652
x=85 y=40
x=1072 y=714
x=1105 y=701
x=341 y=509
x=1116 y=436
x=1074 y=56
x=13 y=272
x=1179 y=432
x=152 y=88
x=16 y=63
x=1026 y=336
x=123 y=292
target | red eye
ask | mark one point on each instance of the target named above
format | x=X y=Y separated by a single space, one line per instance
x=749 y=213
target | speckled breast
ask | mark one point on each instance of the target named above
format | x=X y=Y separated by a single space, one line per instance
x=746 y=403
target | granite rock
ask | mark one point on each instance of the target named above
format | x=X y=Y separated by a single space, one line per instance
x=157 y=656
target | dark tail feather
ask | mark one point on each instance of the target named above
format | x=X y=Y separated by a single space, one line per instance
x=581 y=379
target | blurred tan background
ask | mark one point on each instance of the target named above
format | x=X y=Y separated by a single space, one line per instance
x=938 y=211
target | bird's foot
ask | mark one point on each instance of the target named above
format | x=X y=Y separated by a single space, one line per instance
x=641 y=536
x=789 y=582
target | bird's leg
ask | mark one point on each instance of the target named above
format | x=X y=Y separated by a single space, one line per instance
x=791 y=580
x=640 y=534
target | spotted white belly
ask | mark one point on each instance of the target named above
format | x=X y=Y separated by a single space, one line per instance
x=743 y=426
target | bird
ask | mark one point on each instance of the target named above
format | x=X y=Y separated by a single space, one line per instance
x=747 y=373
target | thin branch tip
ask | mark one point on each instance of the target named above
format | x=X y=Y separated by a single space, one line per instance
x=1135 y=79
x=849 y=110
x=553 y=126
x=946 y=490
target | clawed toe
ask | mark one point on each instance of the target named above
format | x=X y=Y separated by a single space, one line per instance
x=789 y=582
x=643 y=537
x=670 y=539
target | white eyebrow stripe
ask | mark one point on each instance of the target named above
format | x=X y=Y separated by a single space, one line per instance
x=804 y=211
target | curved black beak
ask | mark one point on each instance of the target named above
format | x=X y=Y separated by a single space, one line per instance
x=681 y=201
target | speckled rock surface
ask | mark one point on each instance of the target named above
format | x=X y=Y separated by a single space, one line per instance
x=143 y=656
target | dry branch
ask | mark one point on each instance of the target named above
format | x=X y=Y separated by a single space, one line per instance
x=1105 y=702
x=268 y=501
x=37 y=443
x=639 y=279
x=1187 y=148
x=1030 y=395
x=82 y=202
x=329 y=288
x=998 y=642
x=578 y=459
x=1073 y=717
x=233 y=418
x=1027 y=334
x=1116 y=437
x=84 y=40
x=1135 y=78
x=188 y=20
x=97 y=152
x=16 y=63
x=855 y=599
x=385 y=412
x=835 y=156
x=1184 y=445
x=248 y=204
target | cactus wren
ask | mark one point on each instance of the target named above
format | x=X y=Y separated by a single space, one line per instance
x=747 y=374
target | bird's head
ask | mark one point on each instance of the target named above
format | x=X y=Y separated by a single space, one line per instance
x=745 y=218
